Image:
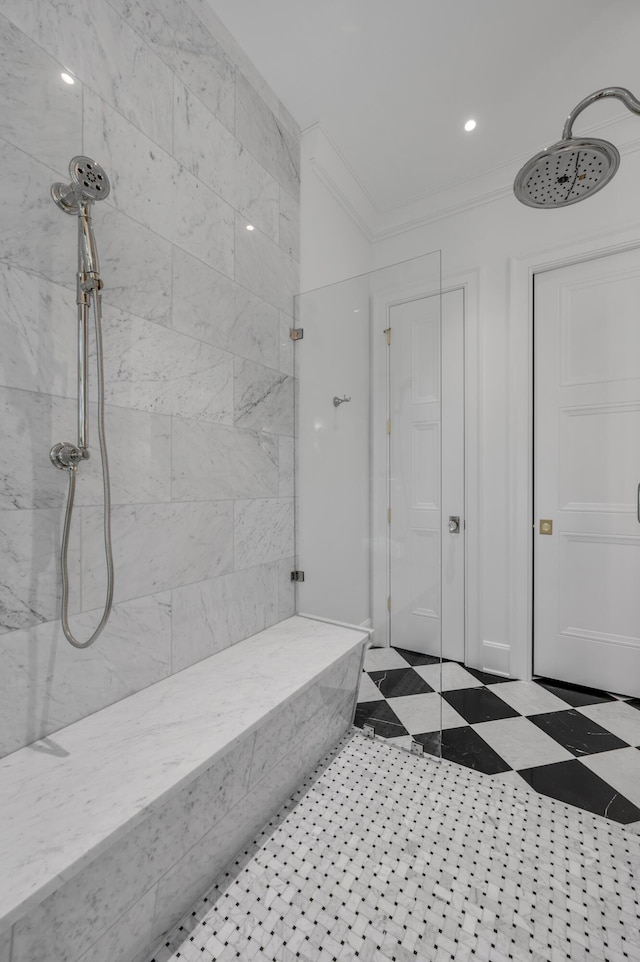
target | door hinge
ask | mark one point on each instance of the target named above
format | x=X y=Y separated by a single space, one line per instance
x=388 y=427
x=388 y=515
x=388 y=333
x=297 y=575
x=296 y=333
x=389 y=604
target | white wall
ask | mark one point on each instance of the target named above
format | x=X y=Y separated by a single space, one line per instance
x=199 y=365
x=490 y=243
x=499 y=243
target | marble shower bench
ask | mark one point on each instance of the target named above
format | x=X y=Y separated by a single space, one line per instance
x=113 y=826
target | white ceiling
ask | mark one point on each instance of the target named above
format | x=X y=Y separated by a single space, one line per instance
x=392 y=81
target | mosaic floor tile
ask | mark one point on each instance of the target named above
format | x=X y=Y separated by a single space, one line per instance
x=384 y=856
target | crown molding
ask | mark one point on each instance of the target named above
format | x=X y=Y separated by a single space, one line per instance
x=331 y=168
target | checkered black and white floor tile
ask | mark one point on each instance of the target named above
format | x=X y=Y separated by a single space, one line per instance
x=579 y=746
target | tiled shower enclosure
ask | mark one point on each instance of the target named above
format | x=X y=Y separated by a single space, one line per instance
x=199 y=364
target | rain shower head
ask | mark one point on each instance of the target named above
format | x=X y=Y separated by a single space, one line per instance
x=566 y=172
x=89 y=182
x=575 y=167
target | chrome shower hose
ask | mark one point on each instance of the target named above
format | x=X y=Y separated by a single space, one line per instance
x=64 y=616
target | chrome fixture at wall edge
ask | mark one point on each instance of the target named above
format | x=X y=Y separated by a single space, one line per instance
x=575 y=167
x=89 y=182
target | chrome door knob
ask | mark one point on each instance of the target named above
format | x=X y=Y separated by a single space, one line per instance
x=454 y=524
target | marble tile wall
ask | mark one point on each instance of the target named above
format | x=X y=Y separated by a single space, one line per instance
x=198 y=363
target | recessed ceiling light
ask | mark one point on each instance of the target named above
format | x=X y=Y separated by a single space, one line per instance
x=68 y=79
x=250 y=227
x=470 y=125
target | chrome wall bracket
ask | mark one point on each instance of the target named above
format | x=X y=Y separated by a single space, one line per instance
x=67 y=456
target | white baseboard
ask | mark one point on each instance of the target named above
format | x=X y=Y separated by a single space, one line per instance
x=495 y=658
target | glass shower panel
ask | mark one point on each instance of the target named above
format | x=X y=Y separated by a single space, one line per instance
x=368 y=518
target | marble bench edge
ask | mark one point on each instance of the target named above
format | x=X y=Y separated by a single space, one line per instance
x=21 y=906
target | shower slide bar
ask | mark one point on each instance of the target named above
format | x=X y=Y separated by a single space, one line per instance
x=89 y=182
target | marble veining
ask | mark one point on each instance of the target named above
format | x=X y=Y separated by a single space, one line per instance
x=129 y=937
x=51 y=686
x=135 y=264
x=119 y=761
x=267 y=137
x=157 y=547
x=215 y=462
x=265 y=268
x=213 y=155
x=139 y=453
x=287 y=590
x=286 y=354
x=152 y=187
x=32 y=233
x=39 y=113
x=262 y=398
x=152 y=368
x=213 y=308
x=172 y=29
x=287 y=452
x=263 y=531
x=212 y=615
x=115 y=63
x=289 y=225
x=34 y=316
x=30 y=586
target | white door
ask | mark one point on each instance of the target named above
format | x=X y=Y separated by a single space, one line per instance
x=426 y=390
x=587 y=472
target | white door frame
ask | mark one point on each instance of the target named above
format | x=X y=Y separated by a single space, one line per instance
x=469 y=282
x=520 y=429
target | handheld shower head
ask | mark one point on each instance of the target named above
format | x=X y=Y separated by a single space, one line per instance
x=89 y=182
x=575 y=167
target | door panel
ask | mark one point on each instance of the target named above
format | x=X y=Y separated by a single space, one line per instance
x=427 y=459
x=586 y=473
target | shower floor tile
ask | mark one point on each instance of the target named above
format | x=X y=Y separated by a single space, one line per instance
x=384 y=856
x=495 y=725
